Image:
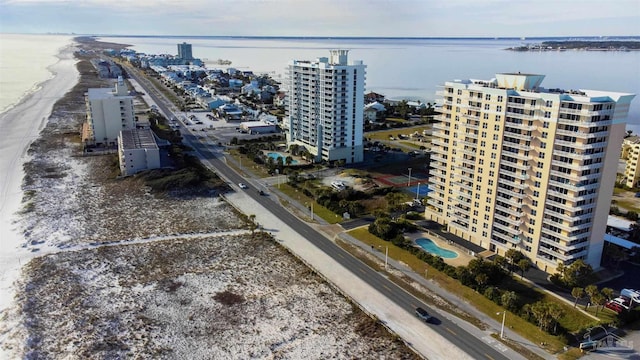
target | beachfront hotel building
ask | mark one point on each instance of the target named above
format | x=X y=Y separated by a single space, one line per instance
x=517 y=166
x=325 y=107
x=631 y=155
x=184 y=51
x=109 y=111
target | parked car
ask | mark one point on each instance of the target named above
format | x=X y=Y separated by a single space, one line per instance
x=242 y=186
x=423 y=314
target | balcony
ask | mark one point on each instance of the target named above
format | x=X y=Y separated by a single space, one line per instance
x=506 y=237
x=508 y=220
x=517 y=213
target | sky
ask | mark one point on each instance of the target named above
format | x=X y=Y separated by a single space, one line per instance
x=402 y=18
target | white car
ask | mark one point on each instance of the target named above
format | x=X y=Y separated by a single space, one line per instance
x=243 y=186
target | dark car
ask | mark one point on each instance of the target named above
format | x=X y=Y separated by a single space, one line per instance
x=423 y=314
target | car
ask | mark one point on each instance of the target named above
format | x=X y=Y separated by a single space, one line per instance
x=261 y=192
x=243 y=186
x=638 y=194
x=423 y=314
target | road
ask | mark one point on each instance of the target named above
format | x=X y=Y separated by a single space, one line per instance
x=473 y=346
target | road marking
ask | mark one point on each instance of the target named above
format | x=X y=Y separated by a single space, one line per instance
x=488 y=357
x=451 y=331
x=342 y=256
x=362 y=270
x=413 y=306
x=386 y=287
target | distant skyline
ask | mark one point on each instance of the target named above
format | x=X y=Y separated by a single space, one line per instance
x=388 y=18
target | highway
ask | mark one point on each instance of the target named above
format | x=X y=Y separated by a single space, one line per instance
x=470 y=344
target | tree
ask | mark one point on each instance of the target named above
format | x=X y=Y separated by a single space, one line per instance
x=598 y=300
x=524 y=265
x=403 y=109
x=591 y=290
x=607 y=293
x=577 y=274
x=509 y=300
x=556 y=312
x=481 y=280
x=500 y=261
x=577 y=293
x=542 y=314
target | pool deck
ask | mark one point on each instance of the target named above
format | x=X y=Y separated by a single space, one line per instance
x=463 y=257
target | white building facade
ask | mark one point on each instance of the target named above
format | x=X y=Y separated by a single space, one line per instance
x=109 y=111
x=137 y=151
x=325 y=107
x=518 y=166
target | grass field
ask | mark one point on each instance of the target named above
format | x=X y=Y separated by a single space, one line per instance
x=572 y=320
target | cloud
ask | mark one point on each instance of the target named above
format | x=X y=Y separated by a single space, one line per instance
x=326 y=17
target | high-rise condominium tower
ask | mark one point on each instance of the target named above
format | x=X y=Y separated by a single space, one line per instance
x=325 y=107
x=518 y=166
x=184 y=51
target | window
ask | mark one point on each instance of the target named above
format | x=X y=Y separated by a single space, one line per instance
x=485 y=226
x=545 y=124
x=487 y=208
x=545 y=134
x=532 y=222
x=540 y=164
x=495 y=137
x=538 y=174
x=484 y=234
x=499 y=108
x=534 y=202
x=493 y=155
x=534 y=212
x=548 y=103
x=496 y=127
x=543 y=145
x=486 y=216
x=485 y=116
x=547 y=114
x=536 y=184
x=486 y=106
x=494 y=146
x=541 y=155
x=459 y=92
x=487 y=97
x=536 y=193
x=499 y=98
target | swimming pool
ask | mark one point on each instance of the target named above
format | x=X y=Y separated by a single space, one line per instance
x=431 y=247
x=275 y=157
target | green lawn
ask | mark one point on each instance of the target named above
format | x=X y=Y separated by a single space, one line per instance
x=572 y=320
x=318 y=210
x=384 y=135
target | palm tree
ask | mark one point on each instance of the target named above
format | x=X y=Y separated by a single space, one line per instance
x=591 y=290
x=524 y=265
x=577 y=293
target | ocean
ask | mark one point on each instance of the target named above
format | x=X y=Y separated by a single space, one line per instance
x=414 y=68
x=24 y=63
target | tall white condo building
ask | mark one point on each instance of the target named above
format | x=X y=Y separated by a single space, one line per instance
x=325 y=107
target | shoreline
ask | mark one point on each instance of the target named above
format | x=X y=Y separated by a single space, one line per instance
x=23 y=123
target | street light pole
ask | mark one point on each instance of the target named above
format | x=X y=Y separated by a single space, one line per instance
x=409 y=183
x=418 y=191
x=311 y=210
x=504 y=316
x=386 y=256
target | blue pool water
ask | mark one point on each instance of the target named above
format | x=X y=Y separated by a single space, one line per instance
x=431 y=247
x=275 y=157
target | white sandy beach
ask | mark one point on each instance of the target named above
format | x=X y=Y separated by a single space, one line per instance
x=21 y=126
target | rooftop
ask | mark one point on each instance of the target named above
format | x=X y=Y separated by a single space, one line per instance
x=138 y=139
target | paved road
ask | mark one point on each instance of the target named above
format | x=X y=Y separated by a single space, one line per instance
x=471 y=345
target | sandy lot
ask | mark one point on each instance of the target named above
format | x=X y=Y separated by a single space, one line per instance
x=117 y=272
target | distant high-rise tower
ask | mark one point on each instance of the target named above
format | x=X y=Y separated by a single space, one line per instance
x=517 y=166
x=325 y=107
x=184 y=51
